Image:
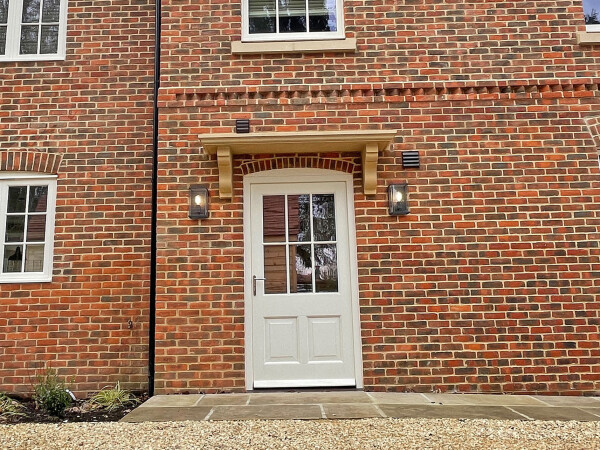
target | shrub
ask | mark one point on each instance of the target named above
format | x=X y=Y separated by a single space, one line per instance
x=50 y=393
x=113 y=398
x=9 y=408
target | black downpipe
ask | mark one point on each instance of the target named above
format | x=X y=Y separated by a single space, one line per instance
x=153 y=220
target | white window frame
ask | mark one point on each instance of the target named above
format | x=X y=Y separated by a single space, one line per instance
x=13 y=35
x=307 y=36
x=8 y=179
x=591 y=28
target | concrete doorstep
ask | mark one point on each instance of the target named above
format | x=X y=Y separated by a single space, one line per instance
x=361 y=405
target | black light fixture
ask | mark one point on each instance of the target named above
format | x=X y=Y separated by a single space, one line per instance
x=398 y=199
x=198 y=202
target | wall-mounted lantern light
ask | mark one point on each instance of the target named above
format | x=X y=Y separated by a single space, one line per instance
x=398 y=199
x=198 y=202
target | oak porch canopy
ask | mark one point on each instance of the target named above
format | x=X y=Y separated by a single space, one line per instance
x=366 y=142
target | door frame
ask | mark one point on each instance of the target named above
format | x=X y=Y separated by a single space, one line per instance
x=283 y=176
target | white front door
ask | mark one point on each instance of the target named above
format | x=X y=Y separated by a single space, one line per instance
x=303 y=327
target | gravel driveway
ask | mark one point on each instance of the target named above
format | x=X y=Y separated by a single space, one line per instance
x=319 y=434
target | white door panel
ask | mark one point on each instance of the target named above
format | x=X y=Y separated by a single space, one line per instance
x=302 y=317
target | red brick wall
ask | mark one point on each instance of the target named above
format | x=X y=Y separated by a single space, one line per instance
x=87 y=119
x=491 y=283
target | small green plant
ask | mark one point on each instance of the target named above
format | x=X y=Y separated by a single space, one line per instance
x=111 y=398
x=50 y=393
x=9 y=408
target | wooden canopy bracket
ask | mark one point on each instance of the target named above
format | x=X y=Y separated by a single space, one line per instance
x=368 y=143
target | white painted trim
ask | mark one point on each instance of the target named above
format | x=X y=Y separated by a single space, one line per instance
x=29 y=179
x=279 y=176
x=266 y=37
x=26 y=176
x=13 y=35
x=304 y=383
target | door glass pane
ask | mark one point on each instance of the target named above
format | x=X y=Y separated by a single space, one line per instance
x=51 y=11
x=34 y=258
x=15 y=228
x=38 y=196
x=324 y=217
x=300 y=268
x=31 y=11
x=292 y=16
x=13 y=258
x=49 y=40
x=322 y=15
x=261 y=17
x=299 y=218
x=3 y=11
x=275 y=270
x=29 y=39
x=17 y=197
x=326 y=273
x=274 y=218
x=36 y=228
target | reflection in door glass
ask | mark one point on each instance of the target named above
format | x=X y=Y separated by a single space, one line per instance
x=326 y=273
x=274 y=218
x=300 y=268
x=306 y=259
x=323 y=217
x=275 y=269
x=299 y=218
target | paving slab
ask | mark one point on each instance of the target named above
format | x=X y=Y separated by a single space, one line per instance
x=350 y=411
x=253 y=412
x=484 y=399
x=556 y=400
x=594 y=411
x=166 y=414
x=171 y=401
x=309 y=398
x=224 y=399
x=399 y=398
x=556 y=413
x=450 y=412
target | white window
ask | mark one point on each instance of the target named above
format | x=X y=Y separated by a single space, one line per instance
x=32 y=29
x=27 y=204
x=591 y=11
x=282 y=20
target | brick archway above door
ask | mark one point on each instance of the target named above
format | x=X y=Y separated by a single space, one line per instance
x=366 y=142
x=300 y=162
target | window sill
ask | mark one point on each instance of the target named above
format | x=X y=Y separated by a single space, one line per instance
x=586 y=38
x=24 y=280
x=29 y=58
x=323 y=46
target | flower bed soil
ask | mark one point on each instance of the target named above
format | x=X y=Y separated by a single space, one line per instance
x=80 y=411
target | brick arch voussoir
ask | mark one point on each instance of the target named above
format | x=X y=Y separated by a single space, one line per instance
x=299 y=162
x=29 y=161
x=593 y=125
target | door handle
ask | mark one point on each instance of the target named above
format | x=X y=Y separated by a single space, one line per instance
x=254 y=280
